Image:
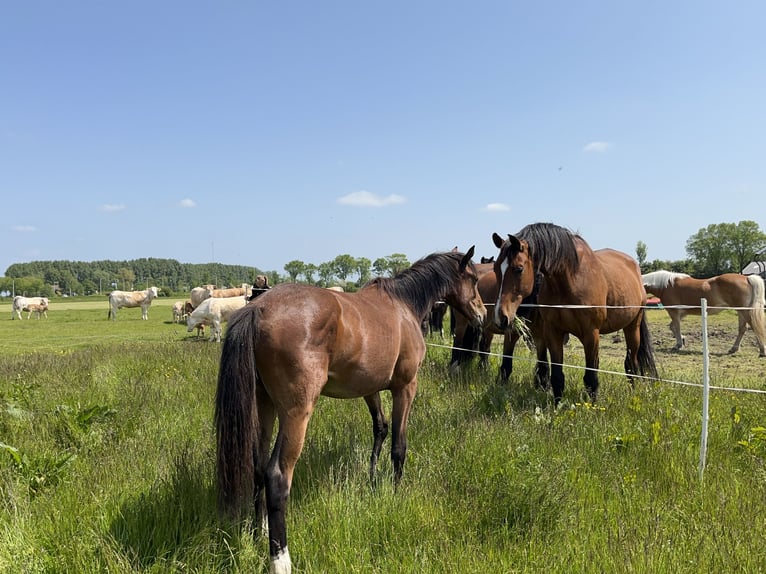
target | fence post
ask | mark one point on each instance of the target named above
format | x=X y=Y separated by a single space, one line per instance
x=705 y=388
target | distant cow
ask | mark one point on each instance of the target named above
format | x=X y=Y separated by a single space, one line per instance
x=199 y=294
x=22 y=304
x=178 y=311
x=231 y=292
x=37 y=310
x=214 y=311
x=143 y=299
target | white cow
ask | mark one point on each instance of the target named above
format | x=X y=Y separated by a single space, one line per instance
x=214 y=311
x=199 y=294
x=22 y=304
x=143 y=299
x=178 y=311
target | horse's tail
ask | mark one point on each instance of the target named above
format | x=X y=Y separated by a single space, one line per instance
x=236 y=415
x=757 y=304
x=646 y=364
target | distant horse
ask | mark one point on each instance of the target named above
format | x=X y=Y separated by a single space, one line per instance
x=604 y=286
x=297 y=342
x=727 y=290
x=433 y=322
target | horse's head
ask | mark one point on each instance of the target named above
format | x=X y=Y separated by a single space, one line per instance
x=464 y=296
x=515 y=274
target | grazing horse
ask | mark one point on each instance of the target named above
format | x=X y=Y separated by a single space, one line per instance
x=297 y=342
x=583 y=292
x=468 y=340
x=727 y=290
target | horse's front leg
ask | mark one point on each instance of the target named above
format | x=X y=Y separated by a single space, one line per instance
x=510 y=338
x=555 y=346
x=400 y=412
x=379 y=429
x=590 y=378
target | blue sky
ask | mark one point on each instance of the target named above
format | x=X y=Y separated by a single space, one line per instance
x=257 y=133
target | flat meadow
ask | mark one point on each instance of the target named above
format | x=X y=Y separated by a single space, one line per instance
x=107 y=461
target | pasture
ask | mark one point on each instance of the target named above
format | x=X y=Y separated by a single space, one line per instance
x=107 y=461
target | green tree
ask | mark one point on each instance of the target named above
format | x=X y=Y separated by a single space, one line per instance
x=725 y=247
x=308 y=273
x=746 y=241
x=363 y=267
x=641 y=252
x=126 y=277
x=294 y=268
x=326 y=273
x=343 y=266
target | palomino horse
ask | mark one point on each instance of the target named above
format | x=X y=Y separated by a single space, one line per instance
x=297 y=342
x=583 y=292
x=727 y=290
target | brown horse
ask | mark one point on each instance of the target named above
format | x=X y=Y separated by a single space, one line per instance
x=297 y=342
x=727 y=290
x=468 y=340
x=583 y=292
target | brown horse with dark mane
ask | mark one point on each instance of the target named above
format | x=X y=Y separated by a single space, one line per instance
x=297 y=342
x=583 y=292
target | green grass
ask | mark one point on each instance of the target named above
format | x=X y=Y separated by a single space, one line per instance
x=106 y=463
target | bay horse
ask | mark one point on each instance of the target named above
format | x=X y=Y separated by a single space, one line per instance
x=468 y=339
x=583 y=292
x=296 y=342
x=727 y=290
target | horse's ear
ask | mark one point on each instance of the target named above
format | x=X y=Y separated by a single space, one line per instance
x=466 y=258
x=497 y=240
x=515 y=243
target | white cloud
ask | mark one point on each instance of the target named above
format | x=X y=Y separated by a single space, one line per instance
x=497 y=207
x=187 y=203
x=24 y=228
x=112 y=207
x=367 y=199
x=597 y=147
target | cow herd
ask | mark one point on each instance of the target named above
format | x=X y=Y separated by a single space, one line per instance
x=207 y=306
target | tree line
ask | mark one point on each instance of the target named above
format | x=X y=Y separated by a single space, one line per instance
x=67 y=278
x=713 y=250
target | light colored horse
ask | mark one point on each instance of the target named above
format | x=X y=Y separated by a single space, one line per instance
x=728 y=290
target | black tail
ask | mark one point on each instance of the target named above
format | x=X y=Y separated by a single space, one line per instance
x=646 y=362
x=236 y=416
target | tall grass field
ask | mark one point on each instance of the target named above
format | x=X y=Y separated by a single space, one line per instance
x=107 y=461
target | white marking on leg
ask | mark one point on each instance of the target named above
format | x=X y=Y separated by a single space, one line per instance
x=281 y=563
x=503 y=269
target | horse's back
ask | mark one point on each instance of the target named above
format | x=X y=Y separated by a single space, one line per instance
x=353 y=342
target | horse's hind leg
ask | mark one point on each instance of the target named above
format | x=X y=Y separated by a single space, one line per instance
x=379 y=429
x=402 y=402
x=266 y=419
x=742 y=315
x=279 y=477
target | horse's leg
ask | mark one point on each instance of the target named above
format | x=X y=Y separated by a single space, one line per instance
x=379 y=429
x=510 y=338
x=590 y=378
x=555 y=345
x=742 y=315
x=675 y=328
x=485 y=346
x=400 y=412
x=279 y=477
x=266 y=420
x=632 y=342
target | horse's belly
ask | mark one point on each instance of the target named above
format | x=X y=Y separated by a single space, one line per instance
x=352 y=387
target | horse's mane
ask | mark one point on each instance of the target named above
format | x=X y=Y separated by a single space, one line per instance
x=551 y=247
x=662 y=279
x=427 y=280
